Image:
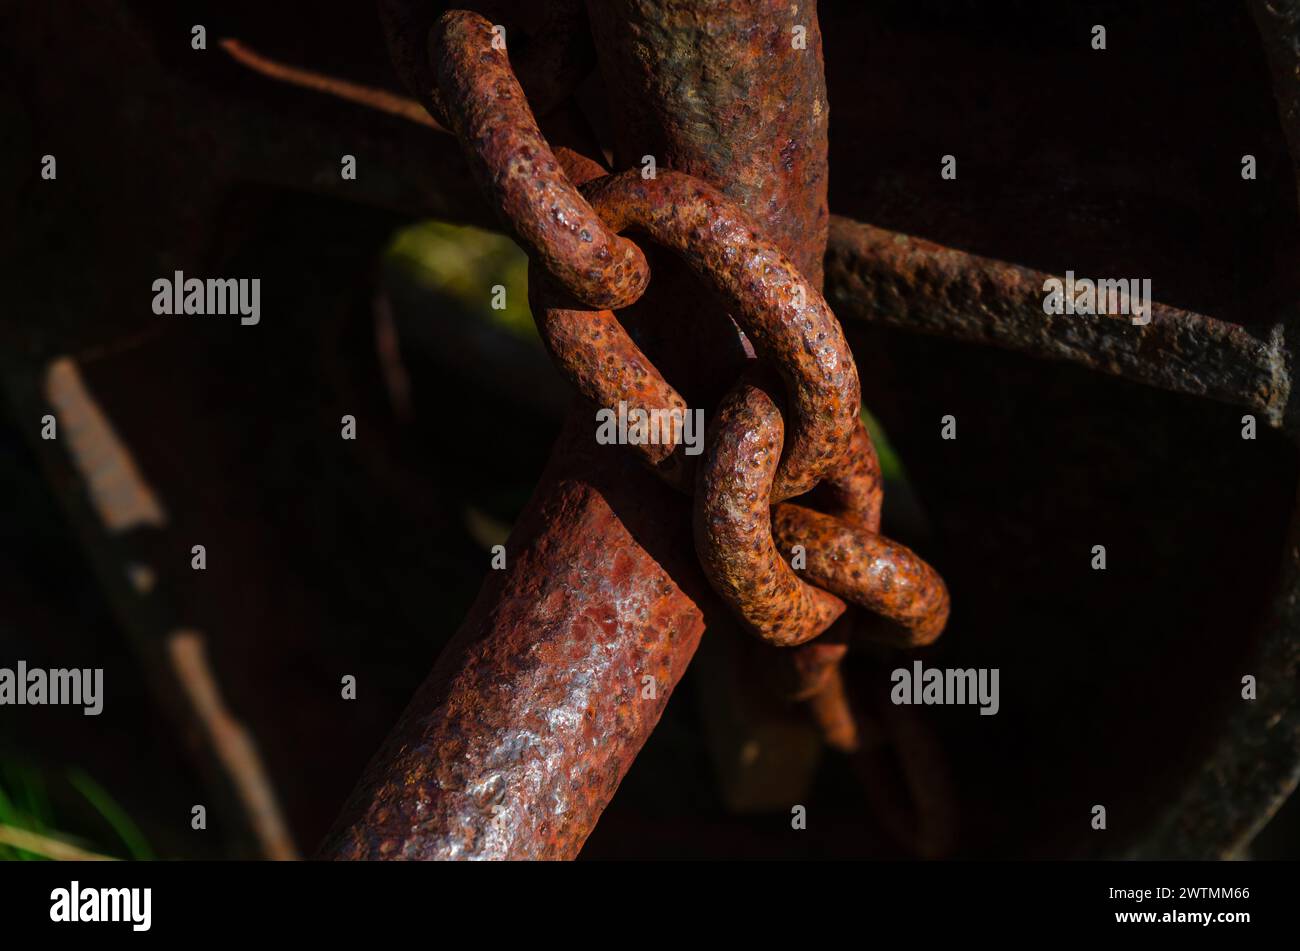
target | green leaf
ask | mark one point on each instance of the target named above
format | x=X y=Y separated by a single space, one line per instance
x=104 y=804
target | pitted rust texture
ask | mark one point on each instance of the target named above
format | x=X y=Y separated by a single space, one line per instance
x=595 y=353
x=733 y=533
x=522 y=178
x=783 y=315
x=907 y=282
x=708 y=88
x=869 y=570
x=517 y=741
x=515 y=744
x=855 y=492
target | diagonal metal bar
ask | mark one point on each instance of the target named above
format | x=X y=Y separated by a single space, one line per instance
x=520 y=736
x=898 y=280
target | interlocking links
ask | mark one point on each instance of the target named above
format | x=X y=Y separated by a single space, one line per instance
x=785 y=318
x=733 y=531
x=868 y=569
x=486 y=108
x=594 y=352
x=854 y=493
x=581 y=270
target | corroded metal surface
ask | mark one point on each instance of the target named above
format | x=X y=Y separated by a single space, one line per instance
x=600 y=534
x=707 y=88
x=907 y=282
x=602 y=362
x=855 y=492
x=782 y=314
x=880 y=575
x=833 y=713
x=733 y=533
x=406 y=168
x=550 y=45
x=519 y=173
x=518 y=739
x=466 y=782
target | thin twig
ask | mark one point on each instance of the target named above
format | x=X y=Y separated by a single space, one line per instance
x=232 y=744
x=379 y=99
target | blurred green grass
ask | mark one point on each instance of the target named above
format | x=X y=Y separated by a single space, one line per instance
x=50 y=804
x=891 y=467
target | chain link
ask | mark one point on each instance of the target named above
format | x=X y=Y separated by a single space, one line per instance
x=581 y=269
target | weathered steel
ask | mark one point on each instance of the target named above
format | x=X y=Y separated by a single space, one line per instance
x=518 y=739
x=782 y=314
x=706 y=88
x=733 y=532
x=485 y=105
x=549 y=43
x=880 y=575
x=907 y=282
x=855 y=492
x=601 y=566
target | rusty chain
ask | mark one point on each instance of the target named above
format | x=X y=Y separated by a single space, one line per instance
x=568 y=214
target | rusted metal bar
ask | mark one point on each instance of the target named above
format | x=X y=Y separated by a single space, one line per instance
x=379 y=100
x=902 y=281
x=723 y=92
x=874 y=274
x=517 y=741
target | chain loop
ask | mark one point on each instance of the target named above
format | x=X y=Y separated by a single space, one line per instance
x=581 y=270
x=512 y=162
x=785 y=318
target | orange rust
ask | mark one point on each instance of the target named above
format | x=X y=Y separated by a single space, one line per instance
x=508 y=751
x=514 y=165
x=869 y=570
x=781 y=312
x=733 y=534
